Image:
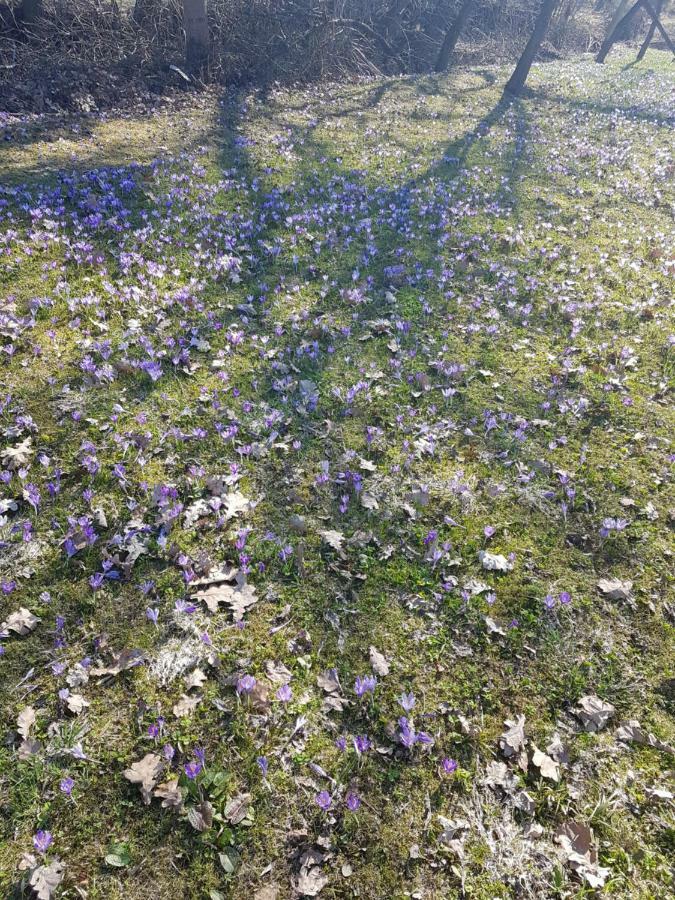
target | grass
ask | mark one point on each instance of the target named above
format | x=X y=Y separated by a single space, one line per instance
x=401 y=279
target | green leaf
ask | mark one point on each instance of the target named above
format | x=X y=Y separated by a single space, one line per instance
x=229 y=860
x=118 y=856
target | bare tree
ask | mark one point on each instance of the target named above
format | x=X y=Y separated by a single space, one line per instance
x=452 y=36
x=516 y=82
x=196 y=28
x=613 y=33
x=658 y=9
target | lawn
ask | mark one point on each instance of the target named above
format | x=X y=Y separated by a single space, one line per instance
x=336 y=504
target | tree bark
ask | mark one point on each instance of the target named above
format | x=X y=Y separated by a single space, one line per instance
x=196 y=28
x=516 y=82
x=612 y=35
x=658 y=7
x=452 y=36
x=657 y=22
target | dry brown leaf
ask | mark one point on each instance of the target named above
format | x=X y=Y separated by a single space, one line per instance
x=615 y=589
x=512 y=742
x=239 y=597
x=328 y=681
x=594 y=713
x=46 y=878
x=170 y=794
x=25 y=721
x=21 y=622
x=195 y=679
x=145 y=773
x=186 y=705
x=28 y=748
x=76 y=703
x=126 y=659
x=378 y=663
x=548 y=767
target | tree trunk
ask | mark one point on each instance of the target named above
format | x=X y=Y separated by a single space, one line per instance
x=516 y=82
x=662 y=31
x=196 y=28
x=614 y=32
x=452 y=36
x=658 y=8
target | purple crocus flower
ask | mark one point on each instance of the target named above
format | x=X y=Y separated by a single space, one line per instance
x=324 y=800
x=285 y=694
x=449 y=765
x=365 y=684
x=42 y=841
x=66 y=785
x=352 y=801
x=245 y=684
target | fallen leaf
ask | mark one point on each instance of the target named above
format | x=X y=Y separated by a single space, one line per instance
x=25 y=721
x=170 y=794
x=615 y=589
x=633 y=733
x=494 y=562
x=311 y=879
x=378 y=663
x=126 y=659
x=145 y=772
x=236 y=504
x=46 y=878
x=19 y=456
x=328 y=681
x=195 y=679
x=548 y=767
x=186 y=705
x=76 y=703
x=594 y=713
x=512 y=742
x=21 y=622
x=334 y=539
x=240 y=597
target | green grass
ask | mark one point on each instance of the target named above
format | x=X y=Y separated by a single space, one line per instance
x=553 y=222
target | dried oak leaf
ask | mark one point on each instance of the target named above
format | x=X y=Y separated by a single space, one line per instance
x=328 y=681
x=615 y=589
x=76 y=703
x=512 y=742
x=25 y=721
x=186 y=705
x=594 y=713
x=145 y=773
x=21 y=622
x=170 y=794
x=19 y=456
x=195 y=679
x=547 y=766
x=633 y=733
x=46 y=878
x=28 y=748
x=240 y=597
x=378 y=663
x=235 y=504
x=311 y=880
x=126 y=659
x=334 y=539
